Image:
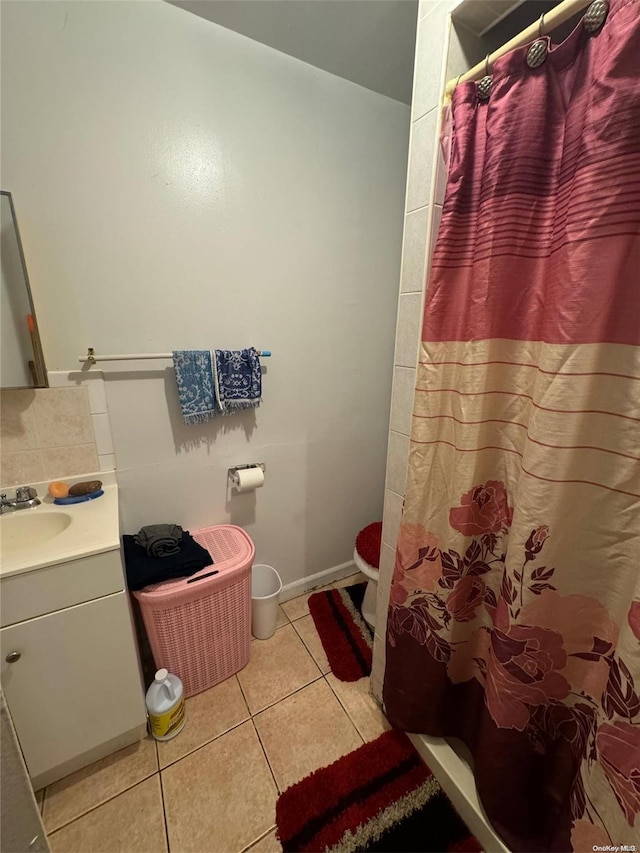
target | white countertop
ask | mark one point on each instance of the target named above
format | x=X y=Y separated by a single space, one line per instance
x=94 y=528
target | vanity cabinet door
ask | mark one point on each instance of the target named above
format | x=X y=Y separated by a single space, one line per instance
x=74 y=682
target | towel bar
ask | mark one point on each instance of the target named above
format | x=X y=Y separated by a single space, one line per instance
x=92 y=358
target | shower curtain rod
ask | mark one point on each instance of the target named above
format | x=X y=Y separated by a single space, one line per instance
x=547 y=22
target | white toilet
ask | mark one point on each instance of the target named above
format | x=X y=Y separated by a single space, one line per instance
x=370 y=537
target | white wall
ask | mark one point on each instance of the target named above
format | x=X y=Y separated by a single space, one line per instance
x=181 y=186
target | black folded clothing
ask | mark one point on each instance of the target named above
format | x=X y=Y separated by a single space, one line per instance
x=160 y=540
x=143 y=570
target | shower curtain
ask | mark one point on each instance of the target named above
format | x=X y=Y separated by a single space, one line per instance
x=514 y=613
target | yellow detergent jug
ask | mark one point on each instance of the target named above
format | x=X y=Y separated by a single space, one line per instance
x=165 y=705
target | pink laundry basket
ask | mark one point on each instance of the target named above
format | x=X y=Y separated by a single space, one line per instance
x=201 y=629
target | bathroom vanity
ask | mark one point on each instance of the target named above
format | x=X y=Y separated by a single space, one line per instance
x=70 y=670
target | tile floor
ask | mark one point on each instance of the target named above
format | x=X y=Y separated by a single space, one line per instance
x=213 y=788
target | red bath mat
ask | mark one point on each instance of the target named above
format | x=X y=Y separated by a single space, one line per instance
x=346 y=637
x=381 y=796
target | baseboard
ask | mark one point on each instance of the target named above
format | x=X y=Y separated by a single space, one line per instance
x=299 y=587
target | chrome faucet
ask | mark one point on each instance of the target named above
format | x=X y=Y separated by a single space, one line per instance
x=26 y=496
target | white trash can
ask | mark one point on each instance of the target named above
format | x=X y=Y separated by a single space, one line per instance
x=265 y=595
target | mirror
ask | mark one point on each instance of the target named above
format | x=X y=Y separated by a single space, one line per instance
x=21 y=359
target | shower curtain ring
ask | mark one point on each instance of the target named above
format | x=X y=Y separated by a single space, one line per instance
x=484 y=85
x=538 y=49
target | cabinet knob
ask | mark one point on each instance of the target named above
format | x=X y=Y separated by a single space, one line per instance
x=12 y=657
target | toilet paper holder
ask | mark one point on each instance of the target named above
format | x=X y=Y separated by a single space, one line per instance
x=234 y=470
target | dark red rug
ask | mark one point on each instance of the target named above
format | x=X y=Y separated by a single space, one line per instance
x=381 y=797
x=345 y=636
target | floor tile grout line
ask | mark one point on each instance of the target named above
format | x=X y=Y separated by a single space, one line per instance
x=293 y=693
x=288 y=622
x=313 y=661
x=324 y=674
x=346 y=710
x=164 y=812
x=317 y=663
x=258 y=840
x=244 y=698
x=266 y=758
x=251 y=717
x=278 y=628
x=49 y=832
x=249 y=712
x=377 y=704
x=297 y=619
x=207 y=743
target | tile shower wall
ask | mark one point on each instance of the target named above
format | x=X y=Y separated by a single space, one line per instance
x=56 y=432
x=439 y=56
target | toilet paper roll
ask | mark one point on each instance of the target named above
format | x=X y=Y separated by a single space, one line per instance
x=248 y=479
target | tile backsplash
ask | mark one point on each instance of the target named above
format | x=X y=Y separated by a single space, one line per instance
x=48 y=433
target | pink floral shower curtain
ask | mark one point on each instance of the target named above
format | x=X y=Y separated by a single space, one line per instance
x=514 y=616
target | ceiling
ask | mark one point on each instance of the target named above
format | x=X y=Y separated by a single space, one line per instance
x=370 y=42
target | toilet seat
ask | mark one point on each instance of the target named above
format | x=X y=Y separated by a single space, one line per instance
x=370 y=539
x=368 y=607
x=370 y=571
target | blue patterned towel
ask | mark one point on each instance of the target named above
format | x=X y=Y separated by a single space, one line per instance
x=196 y=387
x=238 y=379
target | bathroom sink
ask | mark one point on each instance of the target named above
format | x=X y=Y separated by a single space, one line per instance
x=48 y=534
x=28 y=529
